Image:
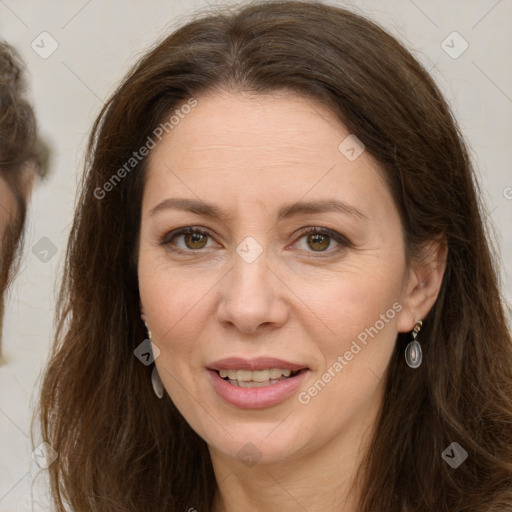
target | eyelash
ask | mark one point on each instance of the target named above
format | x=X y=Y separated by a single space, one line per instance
x=337 y=237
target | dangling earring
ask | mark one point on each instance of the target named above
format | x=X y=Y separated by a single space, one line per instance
x=158 y=386
x=156 y=381
x=413 y=355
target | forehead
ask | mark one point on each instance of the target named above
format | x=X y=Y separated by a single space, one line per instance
x=224 y=122
x=230 y=144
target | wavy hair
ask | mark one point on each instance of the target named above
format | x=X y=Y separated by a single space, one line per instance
x=122 y=449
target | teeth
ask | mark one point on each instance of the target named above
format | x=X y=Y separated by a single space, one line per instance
x=255 y=376
x=251 y=384
x=243 y=375
x=276 y=373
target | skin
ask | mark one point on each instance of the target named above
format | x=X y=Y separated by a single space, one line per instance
x=8 y=206
x=249 y=155
x=8 y=212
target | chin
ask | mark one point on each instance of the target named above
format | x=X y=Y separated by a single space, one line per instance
x=258 y=443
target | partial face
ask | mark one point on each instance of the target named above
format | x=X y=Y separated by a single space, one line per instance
x=8 y=206
x=8 y=214
x=263 y=247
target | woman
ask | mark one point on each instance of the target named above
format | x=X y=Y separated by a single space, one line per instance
x=19 y=160
x=279 y=212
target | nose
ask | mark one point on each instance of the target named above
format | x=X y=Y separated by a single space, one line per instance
x=253 y=296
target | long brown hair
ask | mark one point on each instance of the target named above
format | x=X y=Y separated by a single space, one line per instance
x=122 y=449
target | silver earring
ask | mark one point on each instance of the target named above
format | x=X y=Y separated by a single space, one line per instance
x=156 y=381
x=158 y=387
x=413 y=354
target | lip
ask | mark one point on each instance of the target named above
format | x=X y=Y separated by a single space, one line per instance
x=256 y=398
x=258 y=363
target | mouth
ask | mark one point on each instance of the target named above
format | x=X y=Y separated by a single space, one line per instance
x=256 y=383
x=257 y=378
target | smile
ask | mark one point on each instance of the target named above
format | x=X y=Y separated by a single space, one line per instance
x=251 y=394
x=257 y=378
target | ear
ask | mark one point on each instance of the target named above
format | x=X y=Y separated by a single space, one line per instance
x=422 y=284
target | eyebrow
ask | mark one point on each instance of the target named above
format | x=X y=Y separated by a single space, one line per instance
x=287 y=211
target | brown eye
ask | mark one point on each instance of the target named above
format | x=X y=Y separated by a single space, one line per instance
x=318 y=242
x=194 y=239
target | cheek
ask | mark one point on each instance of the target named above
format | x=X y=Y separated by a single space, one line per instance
x=176 y=308
x=9 y=209
x=353 y=314
x=354 y=327
x=347 y=302
x=172 y=301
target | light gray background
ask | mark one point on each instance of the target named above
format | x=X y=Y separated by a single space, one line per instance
x=98 y=41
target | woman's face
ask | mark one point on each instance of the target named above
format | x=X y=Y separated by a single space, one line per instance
x=251 y=177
